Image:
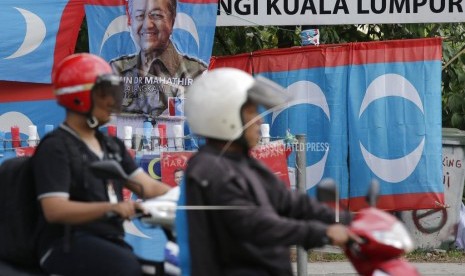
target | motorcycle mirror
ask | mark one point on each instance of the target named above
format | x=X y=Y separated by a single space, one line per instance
x=373 y=192
x=326 y=190
x=108 y=169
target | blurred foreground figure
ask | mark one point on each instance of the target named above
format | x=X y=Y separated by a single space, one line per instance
x=249 y=218
x=81 y=216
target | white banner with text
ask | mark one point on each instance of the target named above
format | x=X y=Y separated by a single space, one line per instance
x=335 y=12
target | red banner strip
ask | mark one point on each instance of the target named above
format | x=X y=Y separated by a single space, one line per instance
x=305 y=57
x=300 y=58
x=400 y=202
x=66 y=38
x=106 y=2
x=123 y=2
x=394 y=51
x=198 y=1
x=242 y=61
x=11 y=91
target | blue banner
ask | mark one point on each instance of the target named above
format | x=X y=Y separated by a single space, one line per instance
x=109 y=35
x=22 y=115
x=148 y=241
x=316 y=112
x=30 y=114
x=30 y=31
x=370 y=111
x=395 y=127
x=193 y=30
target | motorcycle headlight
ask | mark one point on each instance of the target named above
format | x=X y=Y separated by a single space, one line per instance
x=397 y=237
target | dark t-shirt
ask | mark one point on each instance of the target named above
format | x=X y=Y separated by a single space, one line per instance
x=55 y=176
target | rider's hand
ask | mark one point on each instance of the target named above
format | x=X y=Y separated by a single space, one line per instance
x=127 y=209
x=340 y=235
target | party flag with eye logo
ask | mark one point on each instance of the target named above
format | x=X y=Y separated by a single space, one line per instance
x=148 y=242
x=35 y=36
x=194 y=29
x=315 y=79
x=394 y=108
x=109 y=28
x=369 y=111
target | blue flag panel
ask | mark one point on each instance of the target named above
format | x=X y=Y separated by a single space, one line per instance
x=318 y=111
x=27 y=39
x=369 y=110
x=395 y=127
x=193 y=31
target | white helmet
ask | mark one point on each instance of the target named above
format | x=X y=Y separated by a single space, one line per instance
x=214 y=101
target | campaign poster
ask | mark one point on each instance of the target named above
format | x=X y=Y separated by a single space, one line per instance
x=25 y=151
x=173 y=165
x=273 y=155
x=151 y=164
x=157 y=47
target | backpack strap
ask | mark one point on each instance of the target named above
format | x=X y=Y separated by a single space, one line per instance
x=111 y=148
x=78 y=174
x=77 y=161
x=40 y=142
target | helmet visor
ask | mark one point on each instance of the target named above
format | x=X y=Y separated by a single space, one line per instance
x=110 y=85
x=267 y=93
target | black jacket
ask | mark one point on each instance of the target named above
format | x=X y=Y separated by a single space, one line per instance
x=260 y=220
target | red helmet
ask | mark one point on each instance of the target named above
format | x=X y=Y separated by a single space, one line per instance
x=74 y=78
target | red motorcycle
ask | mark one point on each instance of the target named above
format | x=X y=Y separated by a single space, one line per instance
x=384 y=237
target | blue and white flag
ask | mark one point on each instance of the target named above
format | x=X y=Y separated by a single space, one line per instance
x=369 y=111
x=36 y=35
x=193 y=31
x=394 y=103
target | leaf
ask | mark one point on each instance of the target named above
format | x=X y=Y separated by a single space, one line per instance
x=457 y=120
x=455 y=102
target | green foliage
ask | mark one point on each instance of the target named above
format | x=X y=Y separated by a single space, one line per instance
x=418 y=255
x=82 y=44
x=237 y=40
x=436 y=256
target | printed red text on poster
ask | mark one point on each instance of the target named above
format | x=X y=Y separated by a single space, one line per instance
x=274 y=157
x=173 y=165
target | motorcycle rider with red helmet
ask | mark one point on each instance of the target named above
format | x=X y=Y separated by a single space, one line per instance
x=75 y=237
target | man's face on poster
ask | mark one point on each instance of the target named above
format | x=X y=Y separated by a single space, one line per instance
x=151 y=24
x=178 y=177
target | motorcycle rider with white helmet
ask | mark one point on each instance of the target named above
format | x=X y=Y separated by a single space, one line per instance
x=247 y=218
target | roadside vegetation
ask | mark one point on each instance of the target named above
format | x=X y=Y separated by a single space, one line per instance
x=417 y=256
